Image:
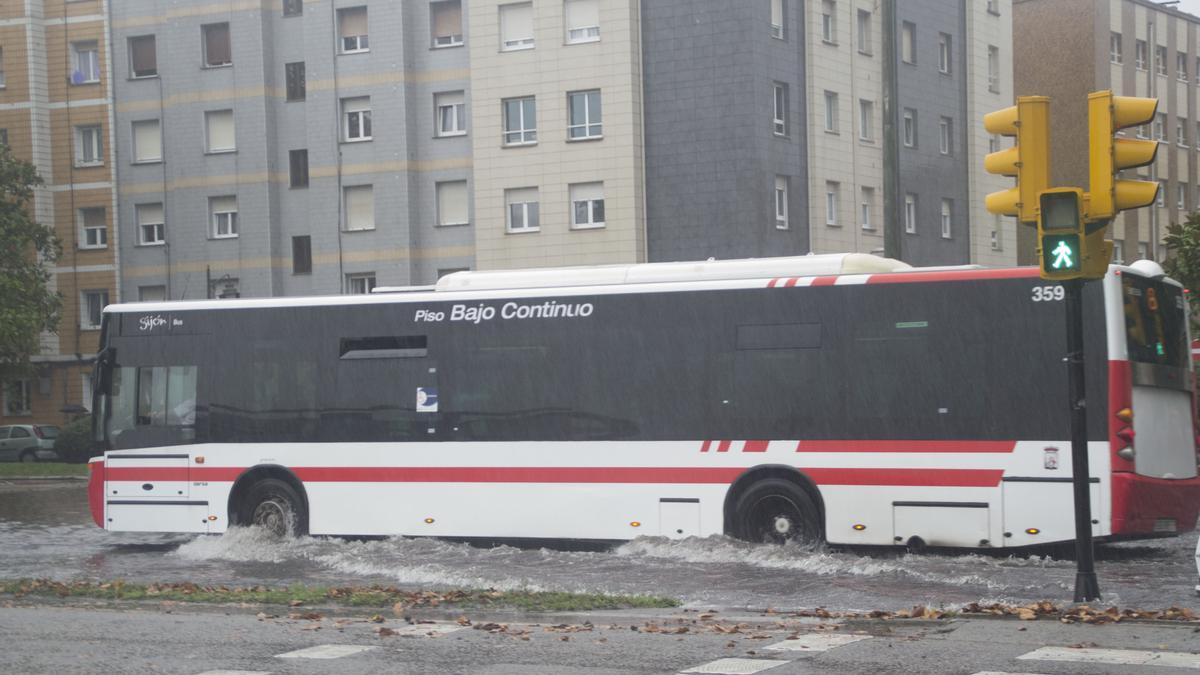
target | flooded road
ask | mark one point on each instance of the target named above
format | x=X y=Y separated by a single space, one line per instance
x=45 y=531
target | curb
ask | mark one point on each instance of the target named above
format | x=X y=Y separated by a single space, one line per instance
x=26 y=479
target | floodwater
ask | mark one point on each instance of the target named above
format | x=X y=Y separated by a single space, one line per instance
x=45 y=531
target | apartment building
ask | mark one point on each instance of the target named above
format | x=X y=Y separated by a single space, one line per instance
x=55 y=112
x=1068 y=48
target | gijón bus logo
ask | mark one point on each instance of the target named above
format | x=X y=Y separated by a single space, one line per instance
x=148 y=323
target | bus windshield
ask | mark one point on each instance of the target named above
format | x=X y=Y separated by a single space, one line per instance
x=151 y=401
x=1154 y=321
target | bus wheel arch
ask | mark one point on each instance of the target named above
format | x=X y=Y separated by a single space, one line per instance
x=768 y=480
x=269 y=490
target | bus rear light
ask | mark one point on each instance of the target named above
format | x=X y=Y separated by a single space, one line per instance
x=1127 y=434
x=1125 y=454
x=1125 y=414
x=200 y=459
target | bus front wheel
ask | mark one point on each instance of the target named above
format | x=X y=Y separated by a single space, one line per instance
x=274 y=506
x=777 y=511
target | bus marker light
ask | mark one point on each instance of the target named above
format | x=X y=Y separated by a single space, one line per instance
x=859 y=527
x=1033 y=530
x=635 y=524
x=212 y=517
x=429 y=521
x=1125 y=454
x=199 y=459
x=1125 y=415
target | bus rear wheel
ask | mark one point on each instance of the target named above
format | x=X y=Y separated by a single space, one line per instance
x=776 y=511
x=274 y=506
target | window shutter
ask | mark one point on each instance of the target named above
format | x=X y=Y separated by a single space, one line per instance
x=587 y=191
x=147 y=141
x=353 y=22
x=516 y=22
x=93 y=217
x=447 y=19
x=220 y=130
x=452 y=203
x=360 y=207
x=149 y=213
x=582 y=13
x=223 y=204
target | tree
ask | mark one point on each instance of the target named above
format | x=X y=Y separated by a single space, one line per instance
x=28 y=306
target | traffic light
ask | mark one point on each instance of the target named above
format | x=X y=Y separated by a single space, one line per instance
x=1107 y=155
x=1061 y=236
x=1028 y=160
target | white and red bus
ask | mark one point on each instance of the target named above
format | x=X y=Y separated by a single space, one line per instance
x=848 y=398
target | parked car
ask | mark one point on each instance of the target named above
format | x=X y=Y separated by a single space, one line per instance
x=28 y=443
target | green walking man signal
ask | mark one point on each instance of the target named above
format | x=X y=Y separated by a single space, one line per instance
x=1064 y=255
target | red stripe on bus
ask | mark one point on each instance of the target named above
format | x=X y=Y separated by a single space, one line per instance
x=791 y=283
x=824 y=281
x=706 y=446
x=755 y=446
x=538 y=474
x=906 y=446
x=953 y=275
x=723 y=446
x=771 y=283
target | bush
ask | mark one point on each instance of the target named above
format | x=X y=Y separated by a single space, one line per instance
x=74 y=443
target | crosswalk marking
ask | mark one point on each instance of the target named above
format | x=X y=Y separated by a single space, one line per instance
x=236 y=672
x=735 y=666
x=1124 y=657
x=427 y=628
x=816 y=642
x=325 y=652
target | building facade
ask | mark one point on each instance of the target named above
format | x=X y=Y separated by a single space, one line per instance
x=56 y=113
x=1134 y=48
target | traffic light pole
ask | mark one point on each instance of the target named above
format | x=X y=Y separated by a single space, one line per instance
x=1087 y=587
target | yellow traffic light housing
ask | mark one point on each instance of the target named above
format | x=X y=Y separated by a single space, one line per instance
x=1061 y=236
x=1028 y=161
x=1107 y=156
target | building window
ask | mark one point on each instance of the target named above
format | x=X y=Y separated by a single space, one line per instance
x=587 y=205
x=1118 y=251
x=993 y=143
x=831 y=112
x=997 y=242
x=451 y=111
x=829 y=21
x=1139 y=54
x=1160 y=198
x=908 y=42
x=781 y=105
x=947 y=224
x=356 y=118
x=1181 y=196
x=91 y=309
x=866 y=120
x=520 y=121
x=993 y=7
x=777 y=19
x=1181 y=126
x=297 y=86
x=302 y=255
x=85 y=58
x=831 y=202
x=1197 y=72
x=3 y=78
x=143 y=56
x=993 y=69
x=1160 y=59
x=352 y=29
x=583 y=20
x=298 y=168
x=18 y=398
x=781 y=202
x=585 y=117
x=944 y=53
x=864 y=32
x=865 y=207
x=361 y=283
x=447 y=23
x=93 y=228
x=910 y=213
x=218 y=131
x=223 y=216
x=150 y=224
x=946 y=136
x=516 y=26
x=152 y=293
x=293 y=7
x=217 y=50
x=359 y=203
x=89 y=146
x=1114 y=48
x=1181 y=66
x=522 y=209
x=147 y=141
x=909 y=128
x=1160 y=127
x=452 y=202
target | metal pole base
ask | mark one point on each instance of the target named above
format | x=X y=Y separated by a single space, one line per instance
x=1087 y=587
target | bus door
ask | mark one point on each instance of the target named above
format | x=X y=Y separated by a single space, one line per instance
x=1159 y=356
